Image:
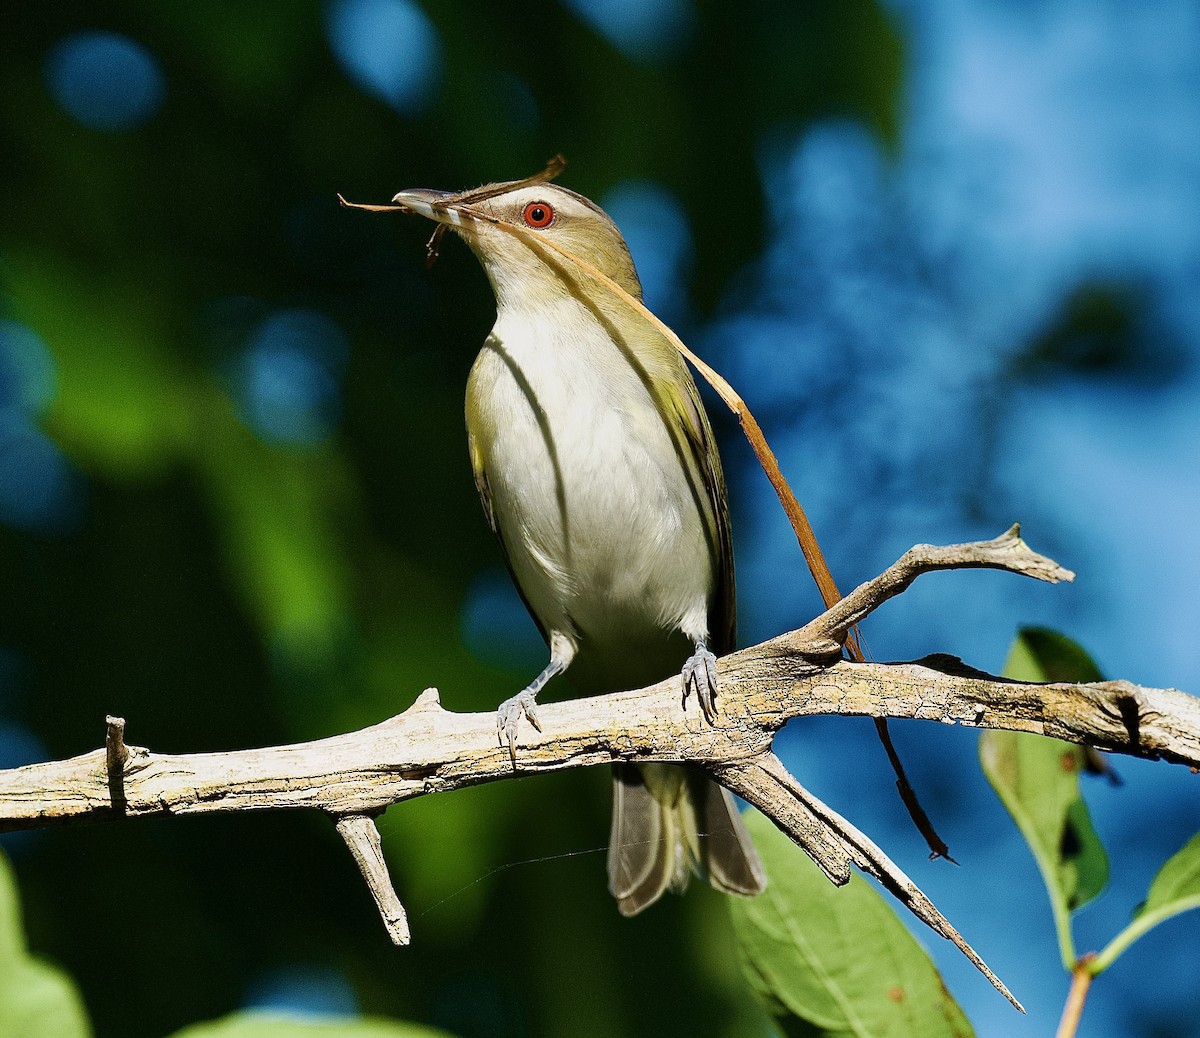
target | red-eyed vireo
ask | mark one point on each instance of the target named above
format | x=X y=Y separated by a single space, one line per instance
x=599 y=474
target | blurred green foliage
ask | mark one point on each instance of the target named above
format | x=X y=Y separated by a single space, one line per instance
x=223 y=590
x=256 y=1025
x=37 y=1000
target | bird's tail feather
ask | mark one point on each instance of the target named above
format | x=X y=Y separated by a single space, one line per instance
x=669 y=821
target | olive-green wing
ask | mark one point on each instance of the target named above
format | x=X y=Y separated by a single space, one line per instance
x=479 y=471
x=701 y=444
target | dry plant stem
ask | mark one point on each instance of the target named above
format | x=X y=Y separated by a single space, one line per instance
x=427 y=749
x=1081 y=983
x=908 y=795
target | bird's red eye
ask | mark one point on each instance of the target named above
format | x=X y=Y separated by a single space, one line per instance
x=538 y=214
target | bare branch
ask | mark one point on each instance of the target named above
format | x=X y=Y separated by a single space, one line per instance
x=1154 y=723
x=362 y=838
x=767 y=784
x=427 y=749
x=1007 y=552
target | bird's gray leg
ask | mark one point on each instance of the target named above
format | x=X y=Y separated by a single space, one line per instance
x=700 y=673
x=508 y=714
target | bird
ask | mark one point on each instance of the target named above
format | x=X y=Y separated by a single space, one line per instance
x=599 y=474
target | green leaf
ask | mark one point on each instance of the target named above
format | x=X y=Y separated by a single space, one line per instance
x=835 y=961
x=1175 y=889
x=1040 y=654
x=259 y=1024
x=1038 y=780
x=1177 y=881
x=36 y=1000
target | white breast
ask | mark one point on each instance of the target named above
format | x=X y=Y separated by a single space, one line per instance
x=604 y=531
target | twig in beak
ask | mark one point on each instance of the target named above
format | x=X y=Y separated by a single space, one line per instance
x=393 y=208
x=553 y=168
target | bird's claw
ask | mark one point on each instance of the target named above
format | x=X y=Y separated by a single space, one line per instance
x=508 y=716
x=700 y=673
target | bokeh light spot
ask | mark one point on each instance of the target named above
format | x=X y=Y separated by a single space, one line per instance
x=288 y=378
x=303 y=991
x=496 y=627
x=38 y=489
x=390 y=49
x=26 y=370
x=105 y=81
x=645 y=31
x=656 y=229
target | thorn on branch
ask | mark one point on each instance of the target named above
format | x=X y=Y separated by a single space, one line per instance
x=116 y=756
x=427 y=700
x=362 y=838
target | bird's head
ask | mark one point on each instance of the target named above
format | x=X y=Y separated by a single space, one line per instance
x=506 y=226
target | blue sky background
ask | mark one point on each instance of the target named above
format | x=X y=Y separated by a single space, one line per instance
x=1047 y=144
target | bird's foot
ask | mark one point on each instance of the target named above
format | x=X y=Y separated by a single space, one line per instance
x=508 y=716
x=700 y=673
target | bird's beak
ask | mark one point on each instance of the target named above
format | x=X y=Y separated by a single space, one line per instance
x=440 y=206
x=435 y=205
